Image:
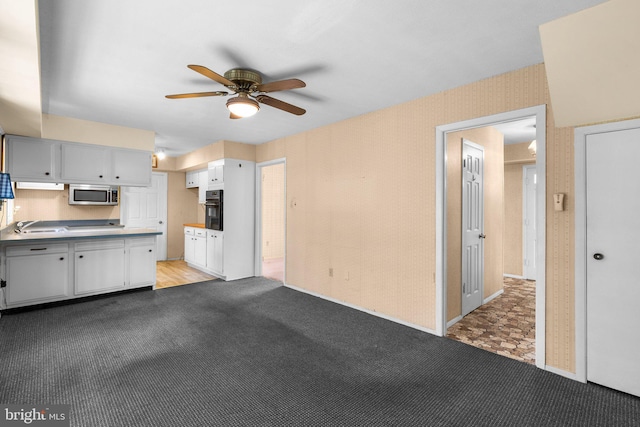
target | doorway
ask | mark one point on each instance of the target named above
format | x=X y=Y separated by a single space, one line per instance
x=442 y=187
x=146 y=207
x=271 y=220
x=529 y=183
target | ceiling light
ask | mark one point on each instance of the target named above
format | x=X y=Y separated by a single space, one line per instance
x=160 y=154
x=242 y=106
x=533 y=148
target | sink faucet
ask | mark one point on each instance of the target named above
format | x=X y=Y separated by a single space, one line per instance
x=22 y=225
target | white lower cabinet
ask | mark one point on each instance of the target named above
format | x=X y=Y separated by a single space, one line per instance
x=195 y=246
x=142 y=263
x=37 y=274
x=215 y=251
x=48 y=272
x=99 y=266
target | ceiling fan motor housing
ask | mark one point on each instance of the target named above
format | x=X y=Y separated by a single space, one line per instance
x=245 y=79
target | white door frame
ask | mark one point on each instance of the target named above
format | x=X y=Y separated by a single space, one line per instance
x=441 y=297
x=258 y=237
x=525 y=212
x=580 y=168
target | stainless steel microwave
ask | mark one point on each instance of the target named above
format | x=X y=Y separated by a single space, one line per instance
x=105 y=195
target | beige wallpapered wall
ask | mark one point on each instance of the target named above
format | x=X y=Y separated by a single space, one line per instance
x=361 y=200
x=493 y=142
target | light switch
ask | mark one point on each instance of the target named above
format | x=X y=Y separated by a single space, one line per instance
x=558 y=201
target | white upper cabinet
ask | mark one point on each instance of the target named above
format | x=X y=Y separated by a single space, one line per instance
x=131 y=167
x=47 y=160
x=193 y=179
x=29 y=161
x=216 y=175
x=84 y=162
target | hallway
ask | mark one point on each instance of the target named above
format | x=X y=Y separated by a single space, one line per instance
x=505 y=325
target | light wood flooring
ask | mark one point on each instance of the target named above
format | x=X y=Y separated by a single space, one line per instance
x=177 y=273
x=505 y=325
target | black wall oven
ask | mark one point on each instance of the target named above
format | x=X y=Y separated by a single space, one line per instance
x=213 y=209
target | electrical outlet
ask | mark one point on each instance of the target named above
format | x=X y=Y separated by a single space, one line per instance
x=331 y=272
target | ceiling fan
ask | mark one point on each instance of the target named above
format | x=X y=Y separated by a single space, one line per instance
x=250 y=91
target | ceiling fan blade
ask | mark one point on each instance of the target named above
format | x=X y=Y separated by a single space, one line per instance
x=233 y=116
x=281 y=85
x=212 y=75
x=196 y=95
x=276 y=103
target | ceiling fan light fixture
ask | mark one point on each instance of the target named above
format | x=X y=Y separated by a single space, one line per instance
x=243 y=106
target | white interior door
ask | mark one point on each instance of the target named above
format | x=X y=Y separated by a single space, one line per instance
x=612 y=267
x=529 y=221
x=147 y=207
x=472 y=226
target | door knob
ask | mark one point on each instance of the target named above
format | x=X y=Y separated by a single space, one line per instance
x=598 y=256
x=482 y=236
x=160 y=222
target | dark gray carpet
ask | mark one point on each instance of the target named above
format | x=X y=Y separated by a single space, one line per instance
x=251 y=352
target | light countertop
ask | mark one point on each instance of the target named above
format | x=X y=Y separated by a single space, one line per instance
x=72 y=230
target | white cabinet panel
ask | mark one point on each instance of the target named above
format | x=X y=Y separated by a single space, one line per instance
x=215 y=251
x=215 y=175
x=37 y=278
x=100 y=269
x=31 y=159
x=142 y=265
x=203 y=177
x=85 y=163
x=131 y=167
x=193 y=179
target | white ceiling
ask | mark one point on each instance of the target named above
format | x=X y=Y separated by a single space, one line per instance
x=113 y=61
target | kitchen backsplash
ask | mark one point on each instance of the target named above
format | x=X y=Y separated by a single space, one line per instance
x=54 y=205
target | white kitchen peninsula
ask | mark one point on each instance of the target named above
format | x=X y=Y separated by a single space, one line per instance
x=51 y=261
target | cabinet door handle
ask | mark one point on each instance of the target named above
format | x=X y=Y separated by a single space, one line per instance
x=81 y=256
x=117 y=177
x=38 y=249
x=61 y=258
x=100 y=176
x=150 y=250
x=46 y=173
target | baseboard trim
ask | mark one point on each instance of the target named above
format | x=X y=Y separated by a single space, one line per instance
x=514 y=276
x=355 y=307
x=561 y=372
x=453 y=321
x=492 y=297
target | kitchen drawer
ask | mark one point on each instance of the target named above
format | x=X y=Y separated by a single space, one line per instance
x=94 y=245
x=51 y=248
x=201 y=232
x=190 y=231
x=144 y=241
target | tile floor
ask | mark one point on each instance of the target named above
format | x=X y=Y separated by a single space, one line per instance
x=505 y=325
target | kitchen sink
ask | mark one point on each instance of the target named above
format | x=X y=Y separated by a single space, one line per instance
x=44 y=230
x=93 y=228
